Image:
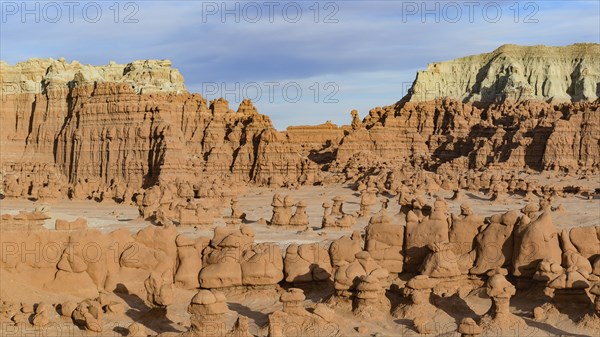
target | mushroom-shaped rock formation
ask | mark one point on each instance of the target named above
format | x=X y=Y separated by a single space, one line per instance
x=348 y=275
x=305 y=263
x=494 y=244
x=370 y=300
x=300 y=218
x=295 y=317
x=207 y=309
x=384 y=241
x=441 y=261
x=499 y=319
x=419 y=290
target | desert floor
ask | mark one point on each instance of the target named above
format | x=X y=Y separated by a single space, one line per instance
x=258 y=303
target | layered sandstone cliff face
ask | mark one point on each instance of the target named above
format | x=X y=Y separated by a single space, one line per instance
x=514 y=108
x=517 y=73
x=135 y=124
x=458 y=136
x=37 y=75
x=39 y=95
x=65 y=124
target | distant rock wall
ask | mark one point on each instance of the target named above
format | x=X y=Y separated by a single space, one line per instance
x=518 y=107
x=37 y=75
x=458 y=136
x=515 y=108
x=517 y=73
x=132 y=123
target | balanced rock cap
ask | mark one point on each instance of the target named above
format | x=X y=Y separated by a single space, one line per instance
x=204 y=297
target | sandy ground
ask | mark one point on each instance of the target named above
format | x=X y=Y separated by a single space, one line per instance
x=109 y=216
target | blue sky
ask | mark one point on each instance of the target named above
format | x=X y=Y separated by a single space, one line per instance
x=341 y=55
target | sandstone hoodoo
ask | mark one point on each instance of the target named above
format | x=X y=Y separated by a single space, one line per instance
x=134 y=207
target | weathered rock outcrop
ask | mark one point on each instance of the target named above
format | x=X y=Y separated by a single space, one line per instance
x=232 y=259
x=294 y=317
x=446 y=136
x=518 y=73
x=307 y=263
x=134 y=123
x=86 y=261
x=105 y=131
x=517 y=107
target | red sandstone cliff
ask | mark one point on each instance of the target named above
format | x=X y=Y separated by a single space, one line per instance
x=136 y=124
x=88 y=124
